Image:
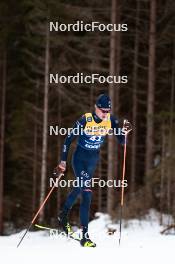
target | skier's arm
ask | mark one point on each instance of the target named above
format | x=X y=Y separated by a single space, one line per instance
x=120 y=134
x=61 y=167
x=68 y=140
x=117 y=132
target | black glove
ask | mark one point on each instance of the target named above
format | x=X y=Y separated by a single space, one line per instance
x=127 y=126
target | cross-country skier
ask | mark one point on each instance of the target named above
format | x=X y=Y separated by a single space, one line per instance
x=85 y=160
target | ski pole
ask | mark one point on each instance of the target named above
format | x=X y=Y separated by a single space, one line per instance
x=39 y=210
x=122 y=193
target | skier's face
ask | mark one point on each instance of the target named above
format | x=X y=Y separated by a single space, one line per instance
x=102 y=112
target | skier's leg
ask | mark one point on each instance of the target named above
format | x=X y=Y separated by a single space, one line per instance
x=84 y=209
x=72 y=196
x=88 y=171
x=84 y=217
x=71 y=199
x=89 y=168
x=63 y=216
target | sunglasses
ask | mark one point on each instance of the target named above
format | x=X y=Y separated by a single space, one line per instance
x=105 y=111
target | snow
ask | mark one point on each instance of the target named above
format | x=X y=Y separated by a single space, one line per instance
x=141 y=243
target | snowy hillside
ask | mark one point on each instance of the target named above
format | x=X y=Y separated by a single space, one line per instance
x=141 y=243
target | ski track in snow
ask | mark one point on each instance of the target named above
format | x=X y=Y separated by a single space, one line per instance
x=141 y=243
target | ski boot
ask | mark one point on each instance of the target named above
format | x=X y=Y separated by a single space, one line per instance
x=63 y=221
x=86 y=242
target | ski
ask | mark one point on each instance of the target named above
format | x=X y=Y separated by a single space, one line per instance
x=52 y=231
x=45 y=227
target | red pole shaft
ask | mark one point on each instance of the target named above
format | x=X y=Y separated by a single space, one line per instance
x=39 y=210
x=123 y=173
x=122 y=194
x=42 y=205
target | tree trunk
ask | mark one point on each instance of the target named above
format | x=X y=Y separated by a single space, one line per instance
x=99 y=188
x=113 y=91
x=59 y=149
x=151 y=92
x=45 y=124
x=163 y=154
x=2 y=138
x=35 y=162
x=170 y=143
x=116 y=108
x=134 y=109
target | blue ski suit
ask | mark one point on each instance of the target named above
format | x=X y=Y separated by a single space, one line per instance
x=85 y=158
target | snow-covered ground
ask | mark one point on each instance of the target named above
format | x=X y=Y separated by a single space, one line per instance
x=141 y=243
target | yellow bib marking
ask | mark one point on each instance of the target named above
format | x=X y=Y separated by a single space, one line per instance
x=97 y=129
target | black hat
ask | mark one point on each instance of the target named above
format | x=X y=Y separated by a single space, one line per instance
x=103 y=101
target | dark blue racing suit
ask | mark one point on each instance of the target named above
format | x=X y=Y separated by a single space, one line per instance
x=84 y=162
